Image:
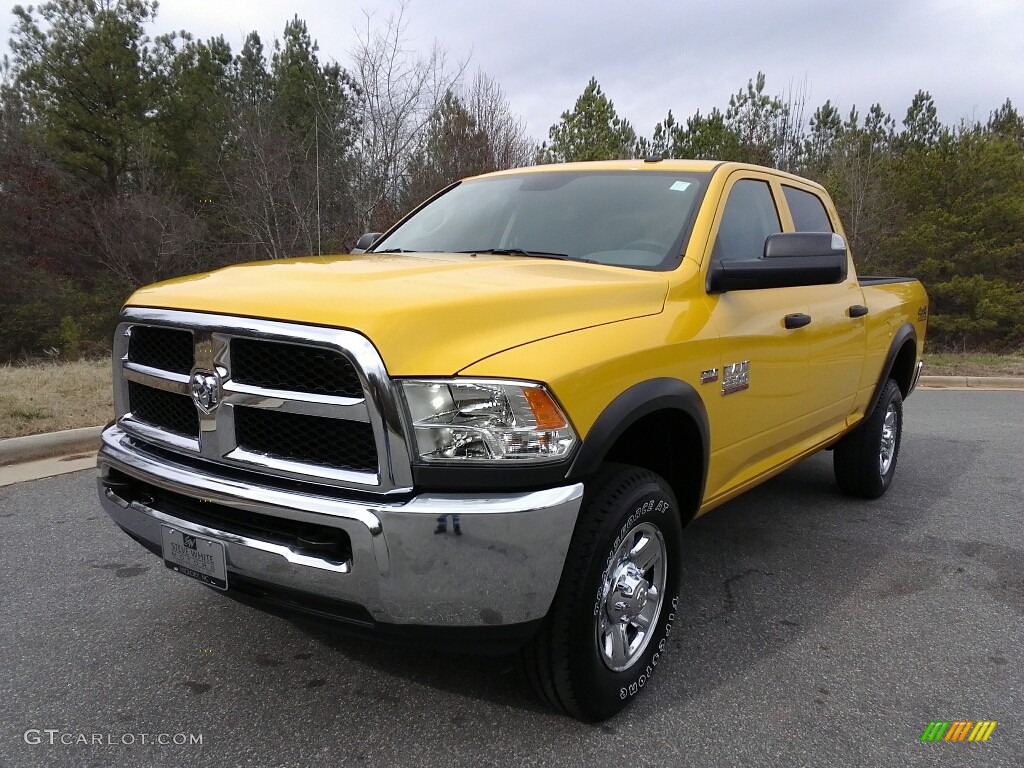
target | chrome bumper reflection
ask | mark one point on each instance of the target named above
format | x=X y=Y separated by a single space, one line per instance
x=917 y=377
x=454 y=560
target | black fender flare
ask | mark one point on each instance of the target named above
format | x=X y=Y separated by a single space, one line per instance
x=632 y=405
x=905 y=333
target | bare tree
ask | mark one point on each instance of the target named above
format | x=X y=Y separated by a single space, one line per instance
x=861 y=169
x=400 y=92
x=145 y=234
x=510 y=145
x=273 y=203
x=790 y=129
x=286 y=168
x=143 y=237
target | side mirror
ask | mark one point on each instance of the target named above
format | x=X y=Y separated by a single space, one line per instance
x=366 y=241
x=790 y=259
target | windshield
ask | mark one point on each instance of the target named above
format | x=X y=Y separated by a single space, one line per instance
x=622 y=218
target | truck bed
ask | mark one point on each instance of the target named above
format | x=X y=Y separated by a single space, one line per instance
x=879 y=280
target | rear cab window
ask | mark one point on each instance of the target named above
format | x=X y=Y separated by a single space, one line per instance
x=807 y=210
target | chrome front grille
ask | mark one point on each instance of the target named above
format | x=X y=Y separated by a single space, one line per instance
x=300 y=402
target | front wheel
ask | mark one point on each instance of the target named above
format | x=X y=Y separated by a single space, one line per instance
x=616 y=605
x=865 y=460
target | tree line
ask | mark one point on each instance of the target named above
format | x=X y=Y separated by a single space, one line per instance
x=126 y=158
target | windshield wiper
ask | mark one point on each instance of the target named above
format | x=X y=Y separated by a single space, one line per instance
x=521 y=252
x=390 y=250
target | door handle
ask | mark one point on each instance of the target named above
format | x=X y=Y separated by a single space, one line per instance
x=857 y=310
x=797 y=320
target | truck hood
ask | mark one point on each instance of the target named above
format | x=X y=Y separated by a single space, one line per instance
x=427 y=314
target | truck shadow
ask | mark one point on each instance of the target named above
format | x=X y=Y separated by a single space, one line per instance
x=760 y=573
x=768 y=568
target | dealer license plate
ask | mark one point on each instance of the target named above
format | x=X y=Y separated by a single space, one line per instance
x=195 y=556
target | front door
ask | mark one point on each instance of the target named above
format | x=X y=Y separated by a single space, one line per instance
x=764 y=365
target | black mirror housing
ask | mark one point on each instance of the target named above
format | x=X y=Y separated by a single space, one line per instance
x=790 y=259
x=366 y=241
x=802 y=244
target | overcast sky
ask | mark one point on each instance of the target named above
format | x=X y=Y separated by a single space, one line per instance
x=685 y=55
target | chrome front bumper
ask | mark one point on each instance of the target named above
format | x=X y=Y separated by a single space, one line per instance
x=502 y=568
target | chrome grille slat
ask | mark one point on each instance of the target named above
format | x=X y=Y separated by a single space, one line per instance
x=345 y=408
x=158 y=436
x=335 y=434
x=157 y=379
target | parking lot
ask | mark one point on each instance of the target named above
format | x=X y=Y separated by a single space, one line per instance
x=815 y=630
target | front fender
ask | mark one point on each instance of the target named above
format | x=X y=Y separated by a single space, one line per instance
x=628 y=408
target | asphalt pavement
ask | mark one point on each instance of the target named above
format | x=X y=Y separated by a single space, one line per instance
x=814 y=630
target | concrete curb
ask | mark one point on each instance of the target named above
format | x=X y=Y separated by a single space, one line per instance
x=17 y=450
x=971 y=382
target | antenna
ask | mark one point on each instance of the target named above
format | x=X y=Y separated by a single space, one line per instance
x=316 y=135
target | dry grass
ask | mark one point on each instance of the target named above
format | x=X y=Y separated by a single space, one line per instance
x=973 y=364
x=52 y=396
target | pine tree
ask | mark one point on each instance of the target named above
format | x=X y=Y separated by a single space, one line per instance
x=591 y=131
x=87 y=73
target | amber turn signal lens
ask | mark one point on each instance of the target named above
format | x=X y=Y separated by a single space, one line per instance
x=544 y=409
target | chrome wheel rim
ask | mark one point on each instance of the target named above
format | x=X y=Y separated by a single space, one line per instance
x=631 y=598
x=887 y=449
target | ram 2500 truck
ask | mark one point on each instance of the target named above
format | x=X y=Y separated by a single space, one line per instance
x=494 y=420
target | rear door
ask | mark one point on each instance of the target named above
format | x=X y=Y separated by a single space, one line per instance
x=836 y=334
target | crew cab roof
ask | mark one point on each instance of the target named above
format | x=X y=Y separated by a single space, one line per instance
x=691 y=166
x=654 y=165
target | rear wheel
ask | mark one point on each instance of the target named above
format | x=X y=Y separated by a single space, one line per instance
x=615 y=606
x=865 y=460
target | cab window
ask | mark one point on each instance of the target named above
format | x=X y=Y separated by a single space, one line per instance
x=750 y=216
x=807 y=210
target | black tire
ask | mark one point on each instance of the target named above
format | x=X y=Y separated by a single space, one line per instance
x=625 y=508
x=859 y=459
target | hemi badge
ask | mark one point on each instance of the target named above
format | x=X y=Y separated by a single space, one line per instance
x=708 y=376
x=735 y=377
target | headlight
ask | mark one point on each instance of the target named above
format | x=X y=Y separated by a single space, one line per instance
x=458 y=420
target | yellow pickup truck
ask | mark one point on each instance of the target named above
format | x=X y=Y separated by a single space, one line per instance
x=490 y=424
